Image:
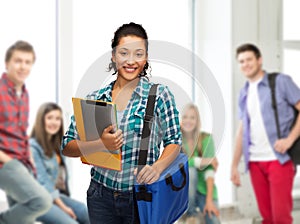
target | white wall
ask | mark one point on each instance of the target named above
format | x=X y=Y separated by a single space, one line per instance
x=32 y=21
x=19 y=20
x=213 y=40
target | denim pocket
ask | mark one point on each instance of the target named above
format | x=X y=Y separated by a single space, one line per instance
x=93 y=190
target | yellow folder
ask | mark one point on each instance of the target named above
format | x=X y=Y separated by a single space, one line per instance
x=92 y=117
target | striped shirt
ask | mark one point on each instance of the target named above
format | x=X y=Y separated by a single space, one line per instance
x=165 y=129
x=14 y=111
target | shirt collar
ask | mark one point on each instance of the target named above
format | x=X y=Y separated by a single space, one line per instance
x=10 y=84
x=142 y=85
x=265 y=80
x=106 y=92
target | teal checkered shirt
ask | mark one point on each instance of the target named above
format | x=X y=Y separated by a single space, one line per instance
x=165 y=129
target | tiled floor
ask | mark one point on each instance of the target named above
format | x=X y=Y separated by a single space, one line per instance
x=241 y=221
x=237 y=220
x=296 y=217
x=232 y=218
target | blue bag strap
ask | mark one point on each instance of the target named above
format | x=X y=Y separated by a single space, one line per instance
x=147 y=127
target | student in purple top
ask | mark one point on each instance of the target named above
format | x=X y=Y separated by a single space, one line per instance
x=271 y=170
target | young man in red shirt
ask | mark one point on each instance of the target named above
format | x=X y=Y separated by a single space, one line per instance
x=26 y=197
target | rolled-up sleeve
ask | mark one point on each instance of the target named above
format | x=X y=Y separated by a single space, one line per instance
x=169 y=116
x=292 y=91
x=209 y=173
x=71 y=133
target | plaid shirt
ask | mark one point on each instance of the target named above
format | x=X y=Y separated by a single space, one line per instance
x=165 y=129
x=14 y=113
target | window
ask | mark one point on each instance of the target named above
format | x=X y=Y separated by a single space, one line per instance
x=33 y=21
x=291 y=53
x=290 y=16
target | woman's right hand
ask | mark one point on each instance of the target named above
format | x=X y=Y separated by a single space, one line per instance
x=70 y=212
x=211 y=209
x=65 y=208
x=112 y=140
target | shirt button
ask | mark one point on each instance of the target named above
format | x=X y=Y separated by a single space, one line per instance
x=20 y=123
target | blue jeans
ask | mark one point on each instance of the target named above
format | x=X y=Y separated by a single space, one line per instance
x=26 y=197
x=108 y=206
x=201 y=200
x=193 y=181
x=57 y=216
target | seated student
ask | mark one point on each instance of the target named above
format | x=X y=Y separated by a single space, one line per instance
x=202 y=165
x=45 y=141
x=27 y=199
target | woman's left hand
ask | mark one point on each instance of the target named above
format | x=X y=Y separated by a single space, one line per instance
x=215 y=163
x=211 y=209
x=148 y=175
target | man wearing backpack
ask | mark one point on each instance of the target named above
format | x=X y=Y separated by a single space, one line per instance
x=271 y=169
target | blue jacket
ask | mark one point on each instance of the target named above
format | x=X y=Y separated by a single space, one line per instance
x=47 y=168
x=287 y=95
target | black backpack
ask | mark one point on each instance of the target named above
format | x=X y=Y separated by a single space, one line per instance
x=294 y=151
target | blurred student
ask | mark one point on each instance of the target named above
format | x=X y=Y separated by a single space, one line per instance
x=199 y=146
x=265 y=155
x=26 y=197
x=45 y=144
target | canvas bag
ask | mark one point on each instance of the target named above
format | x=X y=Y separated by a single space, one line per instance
x=294 y=151
x=164 y=201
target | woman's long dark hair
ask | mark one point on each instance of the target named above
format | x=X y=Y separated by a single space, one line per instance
x=40 y=134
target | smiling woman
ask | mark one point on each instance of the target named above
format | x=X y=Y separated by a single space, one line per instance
x=130 y=58
x=110 y=197
x=45 y=148
x=173 y=26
